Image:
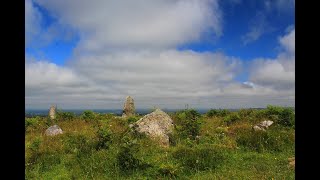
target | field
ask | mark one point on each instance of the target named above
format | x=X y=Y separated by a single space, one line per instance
x=216 y=145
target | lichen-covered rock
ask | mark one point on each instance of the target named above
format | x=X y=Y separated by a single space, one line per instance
x=52 y=112
x=262 y=126
x=128 y=108
x=157 y=125
x=53 y=130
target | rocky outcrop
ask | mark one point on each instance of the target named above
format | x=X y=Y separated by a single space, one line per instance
x=53 y=130
x=157 y=125
x=52 y=112
x=128 y=108
x=263 y=126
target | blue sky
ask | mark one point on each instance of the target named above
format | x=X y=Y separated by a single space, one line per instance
x=242 y=34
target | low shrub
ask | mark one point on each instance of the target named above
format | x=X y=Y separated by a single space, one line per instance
x=65 y=116
x=187 y=123
x=198 y=158
x=104 y=137
x=132 y=119
x=260 y=141
x=231 y=118
x=78 y=143
x=281 y=115
x=217 y=112
x=88 y=115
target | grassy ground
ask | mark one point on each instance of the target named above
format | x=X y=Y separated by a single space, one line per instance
x=217 y=145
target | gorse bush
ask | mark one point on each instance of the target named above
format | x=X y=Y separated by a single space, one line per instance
x=188 y=123
x=65 y=116
x=31 y=122
x=217 y=112
x=104 y=137
x=260 y=141
x=281 y=115
x=78 y=143
x=132 y=119
x=88 y=115
x=126 y=158
x=231 y=118
x=199 y=158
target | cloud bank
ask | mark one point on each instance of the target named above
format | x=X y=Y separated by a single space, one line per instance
x=128 y=48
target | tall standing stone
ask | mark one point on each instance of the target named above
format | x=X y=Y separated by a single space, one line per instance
x=52 y=112
x=128 y=108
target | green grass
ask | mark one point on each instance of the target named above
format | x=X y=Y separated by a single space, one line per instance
x=101 y=146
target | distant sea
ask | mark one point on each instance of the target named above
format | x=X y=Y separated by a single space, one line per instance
x=44 y=112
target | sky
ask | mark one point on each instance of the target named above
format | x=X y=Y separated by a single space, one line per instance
x=83 y=54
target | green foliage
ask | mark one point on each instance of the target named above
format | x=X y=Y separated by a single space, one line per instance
x=281 y=115
x=132 y=119
x=104 y=137
x=188 y=123
x=168 y=170
x=65 y=116
x=31 y=122
x=217 y=112
x=231 y=118
x=35 y=145
x=261 y=141
x=199 y=158
x=88 y=115
x=126 y=158
x=78 y=143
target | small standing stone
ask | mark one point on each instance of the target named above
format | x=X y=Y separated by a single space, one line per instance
x=128 y=108
x=53 y=130
x=52 y=112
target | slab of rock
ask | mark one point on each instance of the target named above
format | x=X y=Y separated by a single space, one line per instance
x=157 y=124
x=52 y=112
x=262 y=126
x=292 y=162
x=53 y=130
x=128 y=108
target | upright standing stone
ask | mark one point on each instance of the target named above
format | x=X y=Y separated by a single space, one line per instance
x=52 y=112
x=128 y=108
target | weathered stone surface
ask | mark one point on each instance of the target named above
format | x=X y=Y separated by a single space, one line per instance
x=53 y=130
x=52 y=112
x=292 y=162
x=262 y=126
x=157 y=124
x=128 y=108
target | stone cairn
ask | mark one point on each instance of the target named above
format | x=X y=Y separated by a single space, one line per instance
x=128 y=108
x=52 y=112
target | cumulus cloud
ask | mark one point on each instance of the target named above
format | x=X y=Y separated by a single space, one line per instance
x=277 y=73
x=128 y=48
x=135 y=24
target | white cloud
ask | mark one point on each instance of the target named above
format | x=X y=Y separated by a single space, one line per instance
x=127 y=48
x=277 y=73
x=136 y=24
x=33 y=19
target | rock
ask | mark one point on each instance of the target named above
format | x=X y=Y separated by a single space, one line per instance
x=53 y=130
x=262 y=126
x=157 y=124
x=52 y=112
x=292 y=162
x=128 y=108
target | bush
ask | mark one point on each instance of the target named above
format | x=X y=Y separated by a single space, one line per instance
x=188 y=123
x=281 y=115
x=231 y=118
x=66 y=116
x=88 y=115
x=132 y=119
x=198 y=158
x=104 y=138
x=126 y=159
x=78 y=144
x=217 y=112
x=31 y=122
x=260 y=141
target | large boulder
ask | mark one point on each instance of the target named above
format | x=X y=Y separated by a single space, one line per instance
x=262 y=126
x=128 y=108
x=53 y=130
x=52 y=112
x=157 y=125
